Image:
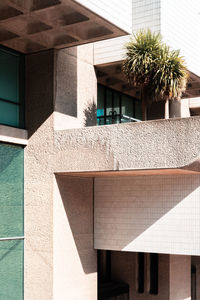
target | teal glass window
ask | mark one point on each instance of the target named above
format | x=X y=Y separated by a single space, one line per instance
x=11 y=88
x=114 y=107
x=11 y=222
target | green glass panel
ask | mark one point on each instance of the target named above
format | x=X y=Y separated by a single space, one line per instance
x=11 y=270
x=100 y=121
x=108 y=102
x=9 y=76
x=127 y=106
x=108 y=120
x=117 y=102
x=100 y=101
x=9 y=114
x=11 y=187
x=138 y=110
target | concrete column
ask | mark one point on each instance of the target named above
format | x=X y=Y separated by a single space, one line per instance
x=75 y=88
x=75 y=260
x=180 y=277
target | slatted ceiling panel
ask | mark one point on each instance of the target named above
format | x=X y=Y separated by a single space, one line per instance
x=115 y=11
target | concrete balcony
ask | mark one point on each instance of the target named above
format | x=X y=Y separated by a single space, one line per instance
x=162 y=146
x=145 y=181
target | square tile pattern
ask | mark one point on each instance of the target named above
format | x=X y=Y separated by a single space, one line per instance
x=158 y=214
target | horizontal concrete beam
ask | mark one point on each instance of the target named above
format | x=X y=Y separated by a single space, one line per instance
x=13 y=135
x=150 y=145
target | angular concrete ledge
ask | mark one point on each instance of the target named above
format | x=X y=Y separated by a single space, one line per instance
x=13 y=135
x=151 y=145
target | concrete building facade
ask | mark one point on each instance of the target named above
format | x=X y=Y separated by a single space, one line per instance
x=92 y=212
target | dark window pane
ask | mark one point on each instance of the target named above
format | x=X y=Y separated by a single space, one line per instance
x=109 y=120
x=9 y=76
x=127 y=106
x=104 y=265
x=100 y=102
x=116 y=102
x=9 y=114
x=100 y=121
x=154 y=273
x=11 y=270
x=140 y=273
x=108 y=102
x=138 y=110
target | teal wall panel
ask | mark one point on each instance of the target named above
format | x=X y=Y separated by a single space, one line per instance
x=11 y=270
x=11 y=222
x=11 y=191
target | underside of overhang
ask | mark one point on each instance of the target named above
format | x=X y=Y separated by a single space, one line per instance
x=130 y=173
x=30 y=26
x=111 y=75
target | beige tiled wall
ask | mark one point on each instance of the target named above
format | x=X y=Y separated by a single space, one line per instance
x=148 y=213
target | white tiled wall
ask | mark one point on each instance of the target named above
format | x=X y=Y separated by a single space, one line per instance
x=180 y=27
x=115 y=11
x=148 y=213
x=144 y=14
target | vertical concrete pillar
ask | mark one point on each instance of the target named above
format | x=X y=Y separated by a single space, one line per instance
x=198 y=281
x=75 y=88
x=180 y=277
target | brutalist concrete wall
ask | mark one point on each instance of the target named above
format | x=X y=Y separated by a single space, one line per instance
x=43 y=243
x=38 y=197
x=75 y=260
x=75 y=88
x=172 y=143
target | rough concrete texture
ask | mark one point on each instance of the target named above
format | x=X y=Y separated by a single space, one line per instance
x=75 y=88
x=157 y=144
x=75 y=262
x=172 y=143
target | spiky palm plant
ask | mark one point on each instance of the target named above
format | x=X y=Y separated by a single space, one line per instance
x=170 y=77
x=158 y=71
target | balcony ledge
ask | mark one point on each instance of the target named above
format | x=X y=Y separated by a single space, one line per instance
x=152 y=147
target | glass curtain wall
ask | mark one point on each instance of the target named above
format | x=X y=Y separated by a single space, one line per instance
x=11 y=222
x=11 y=88
x=114 y=107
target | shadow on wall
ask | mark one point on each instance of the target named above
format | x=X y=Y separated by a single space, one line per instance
x=74 y=222
x=50 y=85
x=148 y=214
x=91 y=114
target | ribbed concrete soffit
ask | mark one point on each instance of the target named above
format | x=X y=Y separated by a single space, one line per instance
x=33 y=25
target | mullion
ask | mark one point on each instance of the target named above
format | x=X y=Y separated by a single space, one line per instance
x=10 y=101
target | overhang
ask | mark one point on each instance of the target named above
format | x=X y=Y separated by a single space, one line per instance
x=111 y=75
x=33 y=25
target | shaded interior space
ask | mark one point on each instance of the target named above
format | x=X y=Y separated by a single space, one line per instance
x=117 y=98
x=34 y=25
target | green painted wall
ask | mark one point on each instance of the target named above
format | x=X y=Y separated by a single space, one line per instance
x=11 y=221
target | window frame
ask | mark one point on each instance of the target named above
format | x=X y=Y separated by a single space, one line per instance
x=21 y=86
